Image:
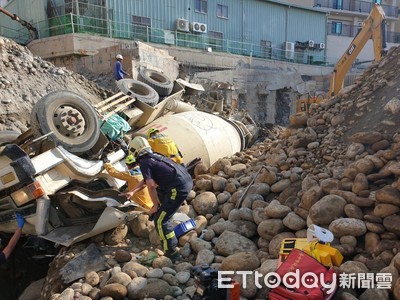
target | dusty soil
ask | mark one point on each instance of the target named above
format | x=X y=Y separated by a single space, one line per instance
x=25 y=78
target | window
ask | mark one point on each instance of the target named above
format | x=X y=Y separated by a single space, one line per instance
x=337 y=27
x=216 y=35
x=200 y=6
x=338 y=4
x=141 y=21
x=215 y=40
x=222 y=11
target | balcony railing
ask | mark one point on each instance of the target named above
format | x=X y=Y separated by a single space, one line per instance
x=356 y=6
x=351 y=31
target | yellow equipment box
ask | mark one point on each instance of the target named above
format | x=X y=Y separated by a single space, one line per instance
x=324 y=253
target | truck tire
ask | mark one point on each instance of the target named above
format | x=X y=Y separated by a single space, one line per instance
x=70 y=117
x=158 y=81
x=139 y=90
x=7 y=136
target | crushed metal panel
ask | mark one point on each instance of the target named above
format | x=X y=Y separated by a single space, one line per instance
x=66 y=236
x=88 y=260
x=193 y=86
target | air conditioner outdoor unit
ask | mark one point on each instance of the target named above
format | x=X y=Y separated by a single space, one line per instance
x=198 y=27
x=321 y=46
x=182 y=25
x=311 y=44
x=289 y=50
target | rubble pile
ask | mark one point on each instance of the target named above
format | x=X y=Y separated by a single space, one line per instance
x=25 y=78
x=342 y=172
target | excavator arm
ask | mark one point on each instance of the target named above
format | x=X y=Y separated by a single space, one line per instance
x=374 y=26
x=33 y=31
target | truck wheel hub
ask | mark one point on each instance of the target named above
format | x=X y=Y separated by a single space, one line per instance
x=69 y=121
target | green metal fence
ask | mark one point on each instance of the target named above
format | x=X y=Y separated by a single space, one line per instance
x=72 y=23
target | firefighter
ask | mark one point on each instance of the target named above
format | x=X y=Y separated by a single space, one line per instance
x=164 y=145
x=168 y=183
x=119 y=72
x=133 y=176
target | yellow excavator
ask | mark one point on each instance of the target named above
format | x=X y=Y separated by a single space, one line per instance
x=373 y=27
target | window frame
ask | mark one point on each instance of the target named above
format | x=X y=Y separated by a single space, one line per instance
x=201 y=6
x=337 y=27
x=144 y=21
x=222 y=16
x=338 y=4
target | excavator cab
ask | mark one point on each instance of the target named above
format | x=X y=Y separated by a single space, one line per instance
x=306 y=100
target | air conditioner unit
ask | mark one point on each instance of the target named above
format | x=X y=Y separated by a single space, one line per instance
x=311 y=44
x=321 y=46
x=198 y=27
x=289 y=50
x=182 y=25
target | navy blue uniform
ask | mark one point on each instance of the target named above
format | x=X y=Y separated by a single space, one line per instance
x=2 y=258
x=174 y=184
x=119 y=71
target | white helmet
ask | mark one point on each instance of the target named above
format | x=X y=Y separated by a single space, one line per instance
x=138 y=146
x=119 y=56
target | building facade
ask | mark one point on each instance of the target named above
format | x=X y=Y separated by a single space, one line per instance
x=267 y=29
x=345 y=18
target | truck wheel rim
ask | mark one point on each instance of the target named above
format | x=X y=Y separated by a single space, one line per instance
x=69 y=121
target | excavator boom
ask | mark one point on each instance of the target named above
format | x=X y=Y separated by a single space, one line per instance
x=374 y=26
x=33 y=31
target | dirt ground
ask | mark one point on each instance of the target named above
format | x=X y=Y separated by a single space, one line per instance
x=25 y=78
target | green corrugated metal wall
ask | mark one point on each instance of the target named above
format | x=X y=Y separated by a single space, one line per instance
x=249 y=21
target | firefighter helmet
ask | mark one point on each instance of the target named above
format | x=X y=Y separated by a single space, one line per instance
x=138 y=145
x=130 y=159
x=151 y=131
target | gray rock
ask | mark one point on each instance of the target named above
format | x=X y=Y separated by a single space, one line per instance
x=155 y=273
x=157 y=288
x=205 y=203
x=182 y=276
x=204 y=256
x=327 y=209
x=347 y=226
x=241 y=261
x=276 y=210
x=135 y=287
x=230 y=242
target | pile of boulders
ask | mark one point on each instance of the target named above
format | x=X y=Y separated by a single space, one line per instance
x=356 y=196
x=331 y=174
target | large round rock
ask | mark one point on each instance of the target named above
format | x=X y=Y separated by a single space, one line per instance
x=205 y=203
x=348 y=226
x=329 y=208
x=231 y=242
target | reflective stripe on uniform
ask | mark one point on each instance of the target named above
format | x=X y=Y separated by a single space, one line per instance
x=173 y=194
x=160 y=230
x=170 y=235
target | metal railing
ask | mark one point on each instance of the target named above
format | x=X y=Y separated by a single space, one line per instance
x=21 y=36
x=71 y=23
x=351 y=31
x=356 y=6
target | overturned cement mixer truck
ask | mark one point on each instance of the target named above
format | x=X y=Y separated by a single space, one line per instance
x=53 y=173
